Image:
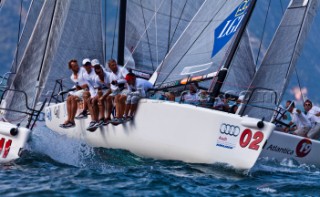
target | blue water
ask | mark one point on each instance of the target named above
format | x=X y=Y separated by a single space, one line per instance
x=55 y=166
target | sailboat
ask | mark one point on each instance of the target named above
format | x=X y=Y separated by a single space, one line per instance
x=271 y=79
x=175 y=131
x=18 y=117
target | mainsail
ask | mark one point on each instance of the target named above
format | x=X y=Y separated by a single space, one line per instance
x=152 y=27
x=65 y=29
x=268 y=85
x=203 y=46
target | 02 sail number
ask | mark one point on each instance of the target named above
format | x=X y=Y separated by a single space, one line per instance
x=250 y=139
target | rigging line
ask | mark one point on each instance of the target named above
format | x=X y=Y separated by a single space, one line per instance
x=145 y=30
x=281 y=7
x=114 y=31
x=263 y=32
x=18 y=38
x=47 y=40
x=156 y=26
x=170 y=23
x=191 y=44
x=300 y=88
x=105 y=32
x=145 y=26
x=180 y=17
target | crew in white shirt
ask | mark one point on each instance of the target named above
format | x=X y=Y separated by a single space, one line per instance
x=75 y=96
x=313 y=114
x=301 y=121
x=119 y=91
x=137 y=89
x=89 y=94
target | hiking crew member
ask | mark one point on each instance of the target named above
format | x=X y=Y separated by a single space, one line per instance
x=119 y=91
x=77 y=95
x=313 y=114
x=137 y=89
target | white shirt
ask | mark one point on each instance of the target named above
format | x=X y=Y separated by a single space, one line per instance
x=80 y=80
x=313 y=111
x=300 y=120
x=141 y=86
x=119 y=77
x=191 y=98
x=90 y=77
x=104 y=83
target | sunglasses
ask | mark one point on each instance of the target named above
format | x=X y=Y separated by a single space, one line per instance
x=307 y=104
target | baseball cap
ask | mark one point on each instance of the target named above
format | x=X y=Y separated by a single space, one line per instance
x=95 y=62
x=85 y=61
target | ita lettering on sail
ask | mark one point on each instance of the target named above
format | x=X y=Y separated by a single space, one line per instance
x=225 y=31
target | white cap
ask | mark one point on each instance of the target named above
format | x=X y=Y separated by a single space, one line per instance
x=95 y=62
x=86 y=60
x=241 y=97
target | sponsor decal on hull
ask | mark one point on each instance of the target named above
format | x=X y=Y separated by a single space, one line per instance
x=303 y=148
x=228 y=136
x=279 y=149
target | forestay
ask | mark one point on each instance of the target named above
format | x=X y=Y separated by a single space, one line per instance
x=152 y=27
x=65 y=29
x=272 y=77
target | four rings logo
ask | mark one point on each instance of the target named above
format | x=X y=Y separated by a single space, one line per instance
x=228 y=129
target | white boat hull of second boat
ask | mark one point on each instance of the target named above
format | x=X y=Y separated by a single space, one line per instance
x=11 y=143
x=283 y=146
x=173 y=131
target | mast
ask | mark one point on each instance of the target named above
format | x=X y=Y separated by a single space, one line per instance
x=122 y=33
x=216 y=85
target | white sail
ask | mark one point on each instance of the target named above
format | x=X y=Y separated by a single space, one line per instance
x=65 y=29
x=153 y=26
x=205 y=41
x=271 y=79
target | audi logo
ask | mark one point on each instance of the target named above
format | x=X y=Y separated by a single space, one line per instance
x=229 y=129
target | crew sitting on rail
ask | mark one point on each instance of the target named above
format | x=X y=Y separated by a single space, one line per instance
x=75 y=96
x=102 y=85
x=137 y=89
x=119 y=92
x=88 y=95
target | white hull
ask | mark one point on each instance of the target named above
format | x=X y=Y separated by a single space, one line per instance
x=10 y=146
x=172 y=131
x=281 y=146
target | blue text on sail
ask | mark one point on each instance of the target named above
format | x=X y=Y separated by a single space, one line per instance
x=229 y=27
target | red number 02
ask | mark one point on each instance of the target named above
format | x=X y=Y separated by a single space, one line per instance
x=247 y=139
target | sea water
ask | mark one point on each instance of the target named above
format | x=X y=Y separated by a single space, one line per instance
x=54 y=165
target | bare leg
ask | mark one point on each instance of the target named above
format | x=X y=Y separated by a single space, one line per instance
x=133 y=109
x=95 y=109
x=109 y=106
x=74 y=108
x=117 y=103
x=69 y=108
x=126 y=112
x=122 y=102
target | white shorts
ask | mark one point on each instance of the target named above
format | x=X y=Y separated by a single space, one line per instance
x=78 y=93
x=133 y=98
x=121 y=92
